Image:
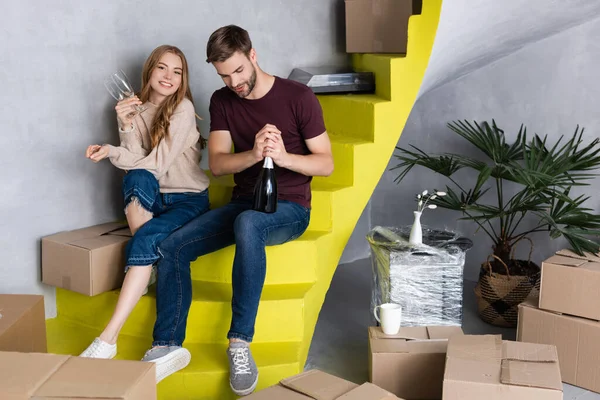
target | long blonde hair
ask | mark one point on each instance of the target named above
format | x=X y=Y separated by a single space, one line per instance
x=161 y=123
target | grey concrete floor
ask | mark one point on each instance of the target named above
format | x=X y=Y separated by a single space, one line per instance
x=339 y=344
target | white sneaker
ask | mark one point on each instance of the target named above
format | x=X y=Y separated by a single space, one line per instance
x=100 y=349
x=168 y=360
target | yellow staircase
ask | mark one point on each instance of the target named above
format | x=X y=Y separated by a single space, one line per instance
x=364 y=130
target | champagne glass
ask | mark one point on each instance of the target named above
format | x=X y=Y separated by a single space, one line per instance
x=120 y=88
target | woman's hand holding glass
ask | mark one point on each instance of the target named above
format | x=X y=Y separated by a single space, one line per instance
x=126 y=111
x=120 y=88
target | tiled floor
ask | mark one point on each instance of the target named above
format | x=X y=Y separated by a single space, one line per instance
x=339 y=345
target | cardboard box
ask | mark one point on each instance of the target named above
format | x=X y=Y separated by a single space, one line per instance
x=378 y=26
x=411 y=363
x=22 y=323
x=485 y=367
x=89 y=260
x=570 y=283
x=577 y=341
x=51 y=376
x=317 y=385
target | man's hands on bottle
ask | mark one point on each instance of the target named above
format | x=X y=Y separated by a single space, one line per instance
x=268 y=143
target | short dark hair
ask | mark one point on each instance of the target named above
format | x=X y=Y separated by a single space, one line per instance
x=226 y=41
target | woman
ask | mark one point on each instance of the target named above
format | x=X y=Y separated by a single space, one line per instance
x=164 y=186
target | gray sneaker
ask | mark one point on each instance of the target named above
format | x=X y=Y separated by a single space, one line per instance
x=168 y=360
x=243 y=374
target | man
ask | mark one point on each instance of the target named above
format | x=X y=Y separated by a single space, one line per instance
x=261 y=115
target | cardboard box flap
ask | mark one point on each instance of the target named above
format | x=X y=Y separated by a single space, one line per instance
x=572 y=254
x=443 y=332
x=566 y=261
x=368 y=391
x=106 y=379
x=476 y=347
x=121 y=232
x=532 y=365
x=418 y=333
x=319 y=385
x=22 y=373
x=531 y=374
x=104 y=229
x=474 y=358
x=99 y=241
x=85 y=233
x=380 y=343
x=519 y=351
x=13 y=306
x=406 y=333
x=433 y=339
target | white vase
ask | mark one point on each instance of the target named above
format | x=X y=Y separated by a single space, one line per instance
x=416 y=233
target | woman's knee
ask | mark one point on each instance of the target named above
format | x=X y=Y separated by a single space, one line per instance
x=142 y=185
x=139 y=178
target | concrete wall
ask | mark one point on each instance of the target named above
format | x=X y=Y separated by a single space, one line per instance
x=493 y=62
x=533 y=62
x=53 y=103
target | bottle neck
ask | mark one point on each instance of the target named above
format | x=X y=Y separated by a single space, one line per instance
x=268 y=163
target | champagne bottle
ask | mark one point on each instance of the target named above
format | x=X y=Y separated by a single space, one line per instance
x=265 y=189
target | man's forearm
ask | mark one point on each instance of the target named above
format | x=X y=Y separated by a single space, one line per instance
x=224 y=164
x=311 y=164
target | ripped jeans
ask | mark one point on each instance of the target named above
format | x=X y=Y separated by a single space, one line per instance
x=170 y=211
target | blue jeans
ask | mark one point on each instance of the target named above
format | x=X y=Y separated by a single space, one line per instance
x=170 y=211
x=235 y=223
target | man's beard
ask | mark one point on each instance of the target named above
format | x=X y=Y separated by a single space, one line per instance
x=251 y=84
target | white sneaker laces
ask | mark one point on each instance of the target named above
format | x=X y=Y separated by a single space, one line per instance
x=96 y=348
x=240 y=360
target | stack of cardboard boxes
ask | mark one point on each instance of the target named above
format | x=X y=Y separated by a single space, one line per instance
x=433 y=363
x=26 y=371
x=568 y=316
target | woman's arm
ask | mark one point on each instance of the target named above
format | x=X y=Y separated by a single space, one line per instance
x=182 y=135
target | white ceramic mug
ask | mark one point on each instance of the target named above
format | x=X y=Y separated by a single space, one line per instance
x=391 y=317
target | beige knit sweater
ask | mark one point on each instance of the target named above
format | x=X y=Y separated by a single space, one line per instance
x=175 y=161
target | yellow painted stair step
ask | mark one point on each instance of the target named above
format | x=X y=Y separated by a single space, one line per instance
x=208 y=320
x=292 y=262
x=351 y=115
x=207 y=375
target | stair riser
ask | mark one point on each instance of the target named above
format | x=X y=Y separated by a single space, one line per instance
x=343 y=173
x=295 y=261
x=347 y=117
x=208 y=322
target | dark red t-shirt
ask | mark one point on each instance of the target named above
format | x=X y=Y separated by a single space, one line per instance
x=293 y=108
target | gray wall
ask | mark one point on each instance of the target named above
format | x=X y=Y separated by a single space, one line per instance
x=53 y=103
x=482 y=71
x=533 y=62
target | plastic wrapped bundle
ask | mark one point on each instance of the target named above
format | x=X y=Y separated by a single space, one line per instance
x=426 y=280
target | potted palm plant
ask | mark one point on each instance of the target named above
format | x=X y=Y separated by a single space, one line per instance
x=542 y=176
